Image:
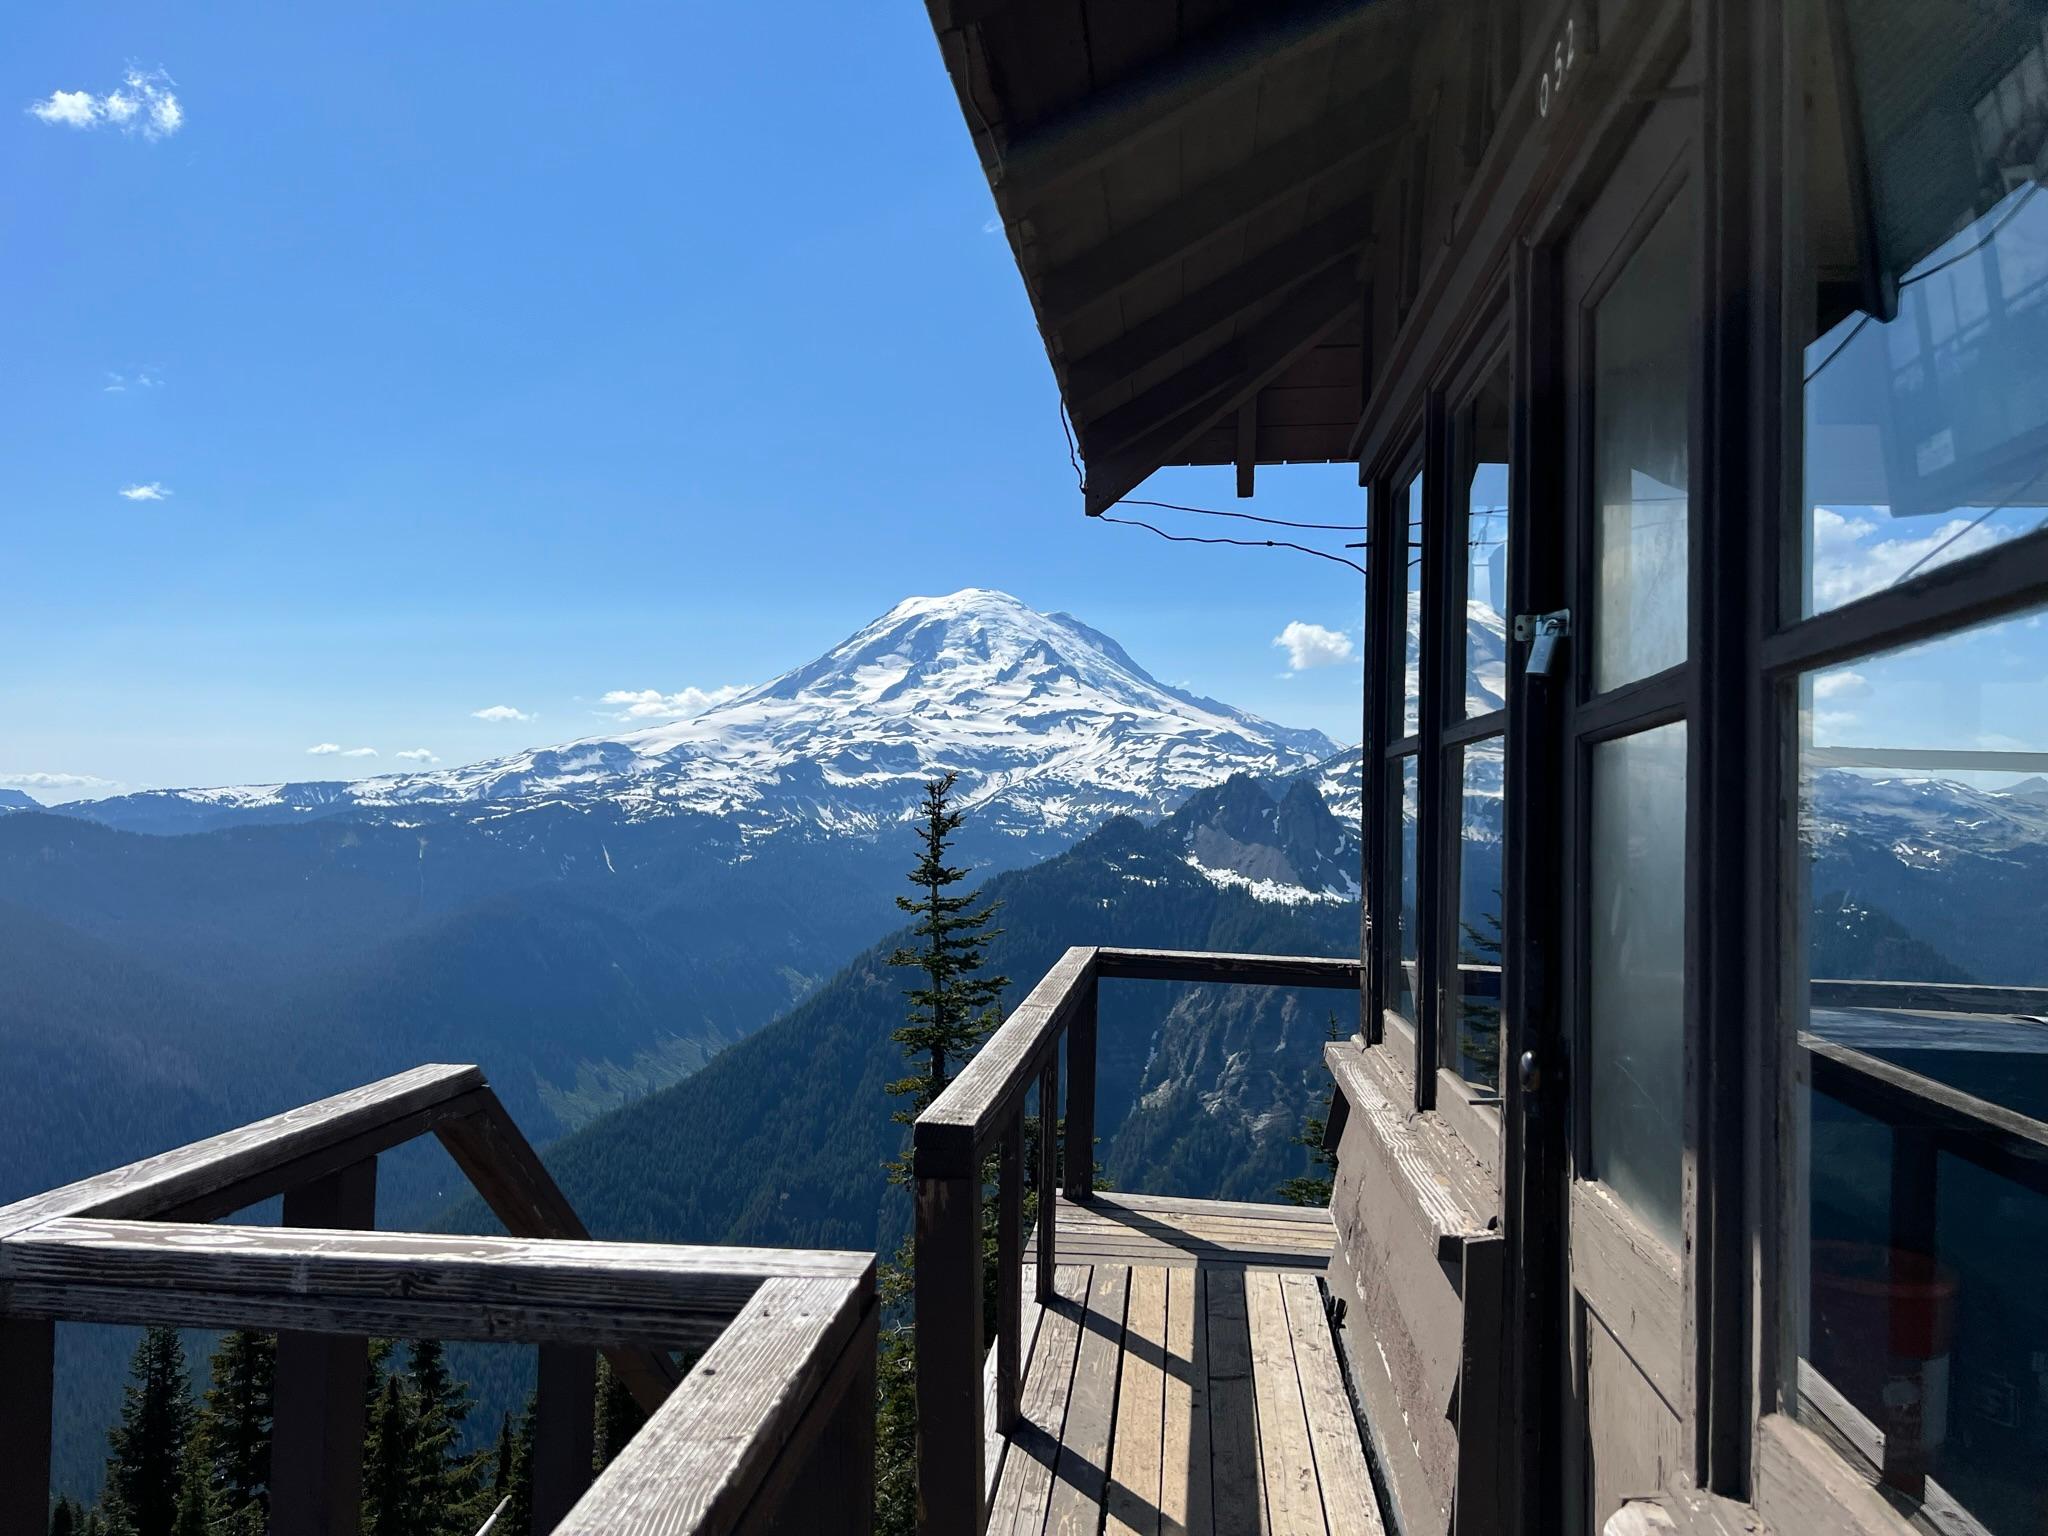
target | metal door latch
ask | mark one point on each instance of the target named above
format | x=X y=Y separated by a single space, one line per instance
x=1541 y=633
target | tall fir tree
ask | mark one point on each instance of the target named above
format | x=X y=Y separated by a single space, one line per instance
x=388 y=1463
x=950 y=1014
x=65 y=1519
x=619 y=1416
x=235 y=1418
x=196 y=1503
x=146 y=1450
x=1316 y=1186
x=447 y=1483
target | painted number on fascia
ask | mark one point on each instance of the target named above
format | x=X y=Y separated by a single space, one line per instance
x=1564 y=54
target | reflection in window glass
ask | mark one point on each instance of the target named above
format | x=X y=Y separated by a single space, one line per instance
x=1406 y=977
x=1411 y=649
x=1472 y=1042
x=1927 y=403
x=1922 y=1318
x=1486 y=590
x=1642 y=373
x=1636 y=971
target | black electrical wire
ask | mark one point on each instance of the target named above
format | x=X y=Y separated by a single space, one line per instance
x=1189 y=538
x=1249 y=517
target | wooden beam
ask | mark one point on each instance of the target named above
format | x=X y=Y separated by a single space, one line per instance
x=247 y=1163
x=1241 y=970
x=1266 y=276
x=316 y=1455
x=1247 y=447
x=27 y=1378
x=1171 y=400
x=565 y=1427
x=494 y=1154
x=947 y=1280
x=699 y=1463
x=1315 y=310
x=1342 y=137
x=1052 y=153
x=403 y=1284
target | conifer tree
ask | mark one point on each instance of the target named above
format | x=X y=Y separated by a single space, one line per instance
x=446 y=1483
x=949 y=1016
x=146 y=1460
x=954 y=1008
x=94 y=1525
x=64 y=1519
x=195 y=1493
x=619 y=1416
x=1314 y=1188
x=518 y=1484
x=235 y=1419
x=388 y=1464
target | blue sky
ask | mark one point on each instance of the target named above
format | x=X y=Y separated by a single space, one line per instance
x=510 y=355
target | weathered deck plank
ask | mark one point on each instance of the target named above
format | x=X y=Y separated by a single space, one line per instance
x=1185 y=1383
x=1081 y=1478
x=1134 y=1475
x=1287 y=1465
x=1026 y=1486
x=1348 y=1501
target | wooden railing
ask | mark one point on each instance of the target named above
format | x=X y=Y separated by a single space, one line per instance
x=982 y=1112
x=776 y=1416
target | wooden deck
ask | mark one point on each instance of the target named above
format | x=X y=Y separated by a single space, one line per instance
x=1183 y=1380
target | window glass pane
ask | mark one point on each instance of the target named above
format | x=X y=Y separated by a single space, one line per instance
x=1927 y=396
x=1486 y=550
x=1471 y=1042
x=1636 y=971
x=1411 y=648
x=1922 y=1317
x=1405 y=980
x=1642 y=373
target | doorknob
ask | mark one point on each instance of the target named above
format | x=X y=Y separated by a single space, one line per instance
x=1530 y=1073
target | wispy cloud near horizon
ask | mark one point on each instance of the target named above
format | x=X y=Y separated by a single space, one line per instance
x=54 y=781
x=143 y=103
x=500 y=713
x=653 y=704
x=154 y=490
x=417 y=755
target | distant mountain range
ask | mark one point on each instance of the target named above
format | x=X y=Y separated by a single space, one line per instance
x=1051 y=726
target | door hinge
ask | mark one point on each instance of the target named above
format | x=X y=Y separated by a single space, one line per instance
x=1541 y=632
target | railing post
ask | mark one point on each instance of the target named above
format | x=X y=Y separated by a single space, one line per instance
x=1081 y=1093
x=947 y=1277
x=27 y=1356
x=316 y=1456
x=1048 y=1172
x=1009 y=1271
x=565 y=1427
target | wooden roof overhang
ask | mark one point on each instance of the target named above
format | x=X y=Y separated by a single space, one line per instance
x=1188 y=187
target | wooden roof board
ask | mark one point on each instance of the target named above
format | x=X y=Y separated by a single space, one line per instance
x=1115 y=230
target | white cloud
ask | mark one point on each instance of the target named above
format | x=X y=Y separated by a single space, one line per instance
x=142 y=378
x=418 y=755
x=500 y=712
x=155 y=490
x=54 y=781
x=324 y=749
x=1841 y=685
x=1311 y=645
x=142 y=103
x=994 y=226
x=653 y=704
x=360 y=752
x=1852 y=557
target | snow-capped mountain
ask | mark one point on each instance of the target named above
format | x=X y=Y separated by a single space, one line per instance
x=1051 y=726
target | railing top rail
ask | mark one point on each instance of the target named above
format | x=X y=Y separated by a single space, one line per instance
x=951 y=1134
x=1930 y=996
x=1237 y=969
x=1903 y=1096
x=406 y=1284
x=701 y=1461
x=258 y=1159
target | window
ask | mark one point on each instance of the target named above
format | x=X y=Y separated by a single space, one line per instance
x=1403 y=716
x=1917 y=980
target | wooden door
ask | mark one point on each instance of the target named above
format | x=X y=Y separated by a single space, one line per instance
x=1628 y=291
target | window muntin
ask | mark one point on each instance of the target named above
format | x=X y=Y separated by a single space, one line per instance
x=1642 y=359
x=1406 y=788
x=1922 y=1323
x=1635 y=971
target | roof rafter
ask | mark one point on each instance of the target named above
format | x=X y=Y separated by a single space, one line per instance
x=1342 y=137
x=1151 y=430
x=1294 y=260
x=1069 y=144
